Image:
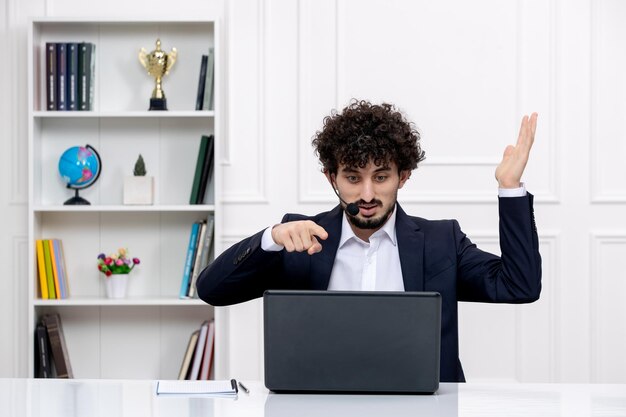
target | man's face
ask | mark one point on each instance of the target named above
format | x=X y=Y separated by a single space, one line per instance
x=374 y=189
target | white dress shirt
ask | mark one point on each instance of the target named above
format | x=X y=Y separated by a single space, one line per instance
x=368 y=266
x=373 y=265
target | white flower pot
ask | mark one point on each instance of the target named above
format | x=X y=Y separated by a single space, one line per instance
x=139 y=190
x=116 y=285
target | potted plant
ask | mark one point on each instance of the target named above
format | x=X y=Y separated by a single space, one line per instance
x=116 y=268
x=139 y=188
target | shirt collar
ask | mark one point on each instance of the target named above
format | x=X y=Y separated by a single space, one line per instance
x=388 y=229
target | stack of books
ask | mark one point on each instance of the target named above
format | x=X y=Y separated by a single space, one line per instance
x=199 y=357
x=70 y=74
x=204 y=170
x=53 y=282
x=198 y=256
x=52 y=358
x=204 y=98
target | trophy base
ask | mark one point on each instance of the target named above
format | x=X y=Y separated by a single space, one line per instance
x=158 y=104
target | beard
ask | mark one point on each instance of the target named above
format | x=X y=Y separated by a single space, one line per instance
x=371 y=222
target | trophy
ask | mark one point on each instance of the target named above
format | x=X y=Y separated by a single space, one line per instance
x=158 y=63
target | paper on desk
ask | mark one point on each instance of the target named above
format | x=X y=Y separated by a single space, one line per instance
x=221 y=388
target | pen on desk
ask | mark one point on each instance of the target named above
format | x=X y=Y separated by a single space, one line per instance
x=244 y=388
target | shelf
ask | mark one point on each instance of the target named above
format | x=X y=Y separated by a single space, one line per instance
x=50 y=20
x=124 y=114
x=130 y=302
x=137 y=336
x=201 y=208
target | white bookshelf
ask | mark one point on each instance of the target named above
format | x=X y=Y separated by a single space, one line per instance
x=144 y=335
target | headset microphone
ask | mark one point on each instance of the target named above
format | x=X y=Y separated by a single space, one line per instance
x=351 y=208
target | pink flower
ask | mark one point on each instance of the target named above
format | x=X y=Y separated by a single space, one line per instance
x=136 y=261
x=108 y=260
x=119 y=262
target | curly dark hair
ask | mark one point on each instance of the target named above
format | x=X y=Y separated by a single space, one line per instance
x=364 y=131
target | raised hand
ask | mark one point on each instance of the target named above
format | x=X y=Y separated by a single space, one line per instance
x=299 y=236
x=509 y=172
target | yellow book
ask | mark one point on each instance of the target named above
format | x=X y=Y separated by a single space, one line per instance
x=43 y=280
x=49 y=274
x=55 y=269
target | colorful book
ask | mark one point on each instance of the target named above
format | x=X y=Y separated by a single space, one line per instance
x=195 y=256
x=41 y=268
x=60 y=267
x=55 y=269
x=51 y=76
x=203 y=255
x=204 y=142
x=49 y=274
x=207 y=103
x=65 y=282
x=209 y=241
x=197 y=357
x=61 y=76
x=197 y=267
x=72 y=76
x=191 y=250
x=207 y=357
x=207 y=171
x=191 y=347
x=200 y=95
x=58 y=345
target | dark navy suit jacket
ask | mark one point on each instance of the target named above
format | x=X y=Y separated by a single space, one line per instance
x=434 y=256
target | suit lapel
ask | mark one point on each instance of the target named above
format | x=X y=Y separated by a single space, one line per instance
x=322 y=262
x=411 y=251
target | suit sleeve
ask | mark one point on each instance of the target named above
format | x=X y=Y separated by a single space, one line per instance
x=515 y=277
x=241 y=273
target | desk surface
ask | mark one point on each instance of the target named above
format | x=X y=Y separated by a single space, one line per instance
x=112 y=398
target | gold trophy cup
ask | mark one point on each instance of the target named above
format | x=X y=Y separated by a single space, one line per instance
x=158 y=63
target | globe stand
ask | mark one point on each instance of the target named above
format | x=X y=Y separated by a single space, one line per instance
x=77 y=200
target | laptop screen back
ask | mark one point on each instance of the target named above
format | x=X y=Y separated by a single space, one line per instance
x=345 y=341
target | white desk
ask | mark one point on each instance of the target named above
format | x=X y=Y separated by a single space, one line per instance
x=110 y=398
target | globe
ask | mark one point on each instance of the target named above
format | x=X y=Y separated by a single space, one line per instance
x=79 y=167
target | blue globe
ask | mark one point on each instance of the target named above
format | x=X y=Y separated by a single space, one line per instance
x=79 y=167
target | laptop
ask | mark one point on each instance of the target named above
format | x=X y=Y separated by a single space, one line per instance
x=352 y=341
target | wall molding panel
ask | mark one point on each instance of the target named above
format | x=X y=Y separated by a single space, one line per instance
x=255 y=159
x=20 y=291
x=607 y=287
x=535 y=340
x=323 y=87
x=607 y=104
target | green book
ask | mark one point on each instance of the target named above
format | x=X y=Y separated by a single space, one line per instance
x=195 y=188
x=49 y=274
x=208 y=82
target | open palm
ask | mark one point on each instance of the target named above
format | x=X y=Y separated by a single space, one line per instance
x=509 y=171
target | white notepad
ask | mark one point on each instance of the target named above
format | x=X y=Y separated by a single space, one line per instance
x=221 y=388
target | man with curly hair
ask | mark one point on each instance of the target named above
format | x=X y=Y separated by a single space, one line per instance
x=368 y=242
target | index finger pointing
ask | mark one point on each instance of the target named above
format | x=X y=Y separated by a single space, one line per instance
x=318 y=231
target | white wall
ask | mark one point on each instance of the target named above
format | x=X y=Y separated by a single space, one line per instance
x=464 y=72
